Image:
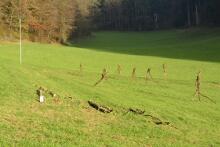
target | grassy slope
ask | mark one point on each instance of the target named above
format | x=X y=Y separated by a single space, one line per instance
x=23 y=121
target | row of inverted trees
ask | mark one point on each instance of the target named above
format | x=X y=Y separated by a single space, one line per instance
x=154 y=14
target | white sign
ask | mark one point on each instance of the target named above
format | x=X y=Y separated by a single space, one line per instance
x=42 y=99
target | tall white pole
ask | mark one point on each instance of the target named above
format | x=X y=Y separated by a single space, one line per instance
x=20 y=42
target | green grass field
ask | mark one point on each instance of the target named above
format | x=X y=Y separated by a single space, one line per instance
x=71 y=122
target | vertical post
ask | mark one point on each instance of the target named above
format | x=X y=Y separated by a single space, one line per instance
x=119 y=69
x=197 y=14
x=81 y=68
x=133 y=75
x=197 y=84
x=20 y=42
x=188 y=13
x=165 y=71
x=148 y=75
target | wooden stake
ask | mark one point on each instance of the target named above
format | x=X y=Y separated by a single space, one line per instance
x=165 y=71
x=133 y=75
x=197 y=85
x=81 y=68
x=20 y=31
x=148 y=74
x=198 y=92
x=119 y=69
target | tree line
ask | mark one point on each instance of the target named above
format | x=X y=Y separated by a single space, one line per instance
x=154 y=14
x=60 y=20
x=43 y=20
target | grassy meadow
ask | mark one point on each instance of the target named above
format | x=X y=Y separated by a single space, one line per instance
x=71 y=122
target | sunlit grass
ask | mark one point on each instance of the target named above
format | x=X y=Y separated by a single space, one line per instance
x=26 y=122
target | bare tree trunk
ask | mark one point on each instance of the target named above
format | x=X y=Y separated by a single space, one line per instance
x=197 y=14
x=188 y=14
x=156 y=20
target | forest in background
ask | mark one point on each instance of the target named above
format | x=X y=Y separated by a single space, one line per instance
x=59 y=21
x=139 y=15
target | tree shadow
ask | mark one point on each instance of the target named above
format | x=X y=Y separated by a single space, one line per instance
x=193 y=44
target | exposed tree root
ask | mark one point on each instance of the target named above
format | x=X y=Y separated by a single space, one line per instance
x=215 y=84
x=207 y=98
x=154 y=119
x=100 y=108
x=136 y=111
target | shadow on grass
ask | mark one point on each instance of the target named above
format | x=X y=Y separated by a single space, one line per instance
x=193 y=44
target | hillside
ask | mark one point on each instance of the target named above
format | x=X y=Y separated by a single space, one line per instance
x=70 y=121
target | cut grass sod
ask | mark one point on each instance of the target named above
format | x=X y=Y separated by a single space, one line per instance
x=69 y=120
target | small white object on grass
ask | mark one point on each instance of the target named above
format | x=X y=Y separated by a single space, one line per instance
x=42 y=99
